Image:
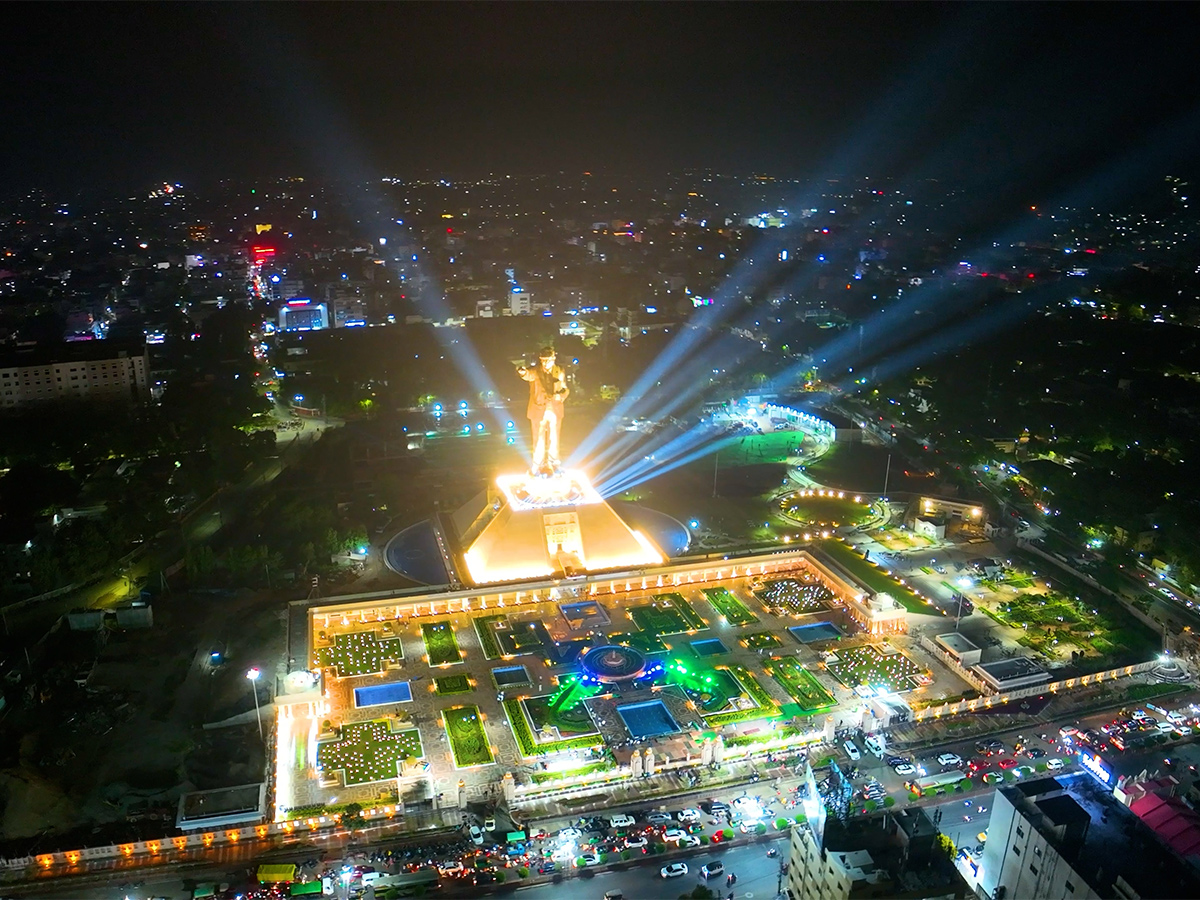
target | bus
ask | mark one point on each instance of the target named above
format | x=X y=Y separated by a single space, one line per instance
x=935 y=784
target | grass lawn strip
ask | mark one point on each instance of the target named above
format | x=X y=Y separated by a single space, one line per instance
x=453 y=684
x=368 y=751
x=730 y=607
x=468 y=741
x=440 y=643
x=800 y=683
x=765 y=708
x=485 y=629
x=872 y=576
x=359 y=653
x=684 y=608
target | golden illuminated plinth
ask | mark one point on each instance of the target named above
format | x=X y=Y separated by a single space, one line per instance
x=554 y=527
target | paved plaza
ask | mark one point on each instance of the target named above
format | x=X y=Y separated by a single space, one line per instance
x=473 y=663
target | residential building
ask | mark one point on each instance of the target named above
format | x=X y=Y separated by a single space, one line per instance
x=81 y=370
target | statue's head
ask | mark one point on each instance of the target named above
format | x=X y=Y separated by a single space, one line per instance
x=546 y=358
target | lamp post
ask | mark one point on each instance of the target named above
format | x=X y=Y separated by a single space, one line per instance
x=254 y=674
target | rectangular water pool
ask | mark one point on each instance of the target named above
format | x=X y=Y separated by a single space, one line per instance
x=709 y=647
x=507 y=676
x=818 y=631
x=648 y=719
x=382 y=694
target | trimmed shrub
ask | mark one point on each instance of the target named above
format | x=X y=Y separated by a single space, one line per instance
x=781 y=823
x=703 y=839
x=1040 y=767
x=499 y=876
x=522 y=872
x=913 y=795
x=889 y=802
x=625 y=854
x=966 y=784
x=870 y=806
x=760 y=828
x=726 y=834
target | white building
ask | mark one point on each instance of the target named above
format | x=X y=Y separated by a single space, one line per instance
x=85 y=370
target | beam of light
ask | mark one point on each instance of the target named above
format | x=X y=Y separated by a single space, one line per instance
x=639 y=475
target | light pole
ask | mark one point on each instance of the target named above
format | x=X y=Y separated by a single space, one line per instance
x=254 y=674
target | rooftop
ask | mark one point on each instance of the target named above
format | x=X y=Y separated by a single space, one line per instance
x=1017 y=667
x=956 y=642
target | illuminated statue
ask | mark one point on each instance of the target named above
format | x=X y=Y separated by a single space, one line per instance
x=547 y=391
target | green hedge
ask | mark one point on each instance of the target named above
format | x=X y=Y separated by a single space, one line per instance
x=487 y=635
x=781 y=823
x=527 y=745
x=889 y=802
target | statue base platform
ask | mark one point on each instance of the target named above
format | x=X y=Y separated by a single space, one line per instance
x=554 y=527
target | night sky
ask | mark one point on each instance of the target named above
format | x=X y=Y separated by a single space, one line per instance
x=1014 y=96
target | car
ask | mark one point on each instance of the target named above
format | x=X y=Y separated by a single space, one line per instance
x=548 y=868
x=674 y=834
x=659 y=818
x=1008 y=762
x=476 y=835
x=489 y=824
x=949 y=759
x=673 y=870
x=1068 y=731
x=589 y=859
x=620 y=821
x=874 y=745
x=690 y=841
x=742 y=803
x=896 y=761
x=852 y=750
x=635 y=842
x=994 y=745
x=614 y=895
x=1035 y=752
x=688 y=815
x=718 y=806
x=1166 y=726
x=712 y=869
x=749 y=825
x=451 y=868
x=906 y=769
x=979 y=763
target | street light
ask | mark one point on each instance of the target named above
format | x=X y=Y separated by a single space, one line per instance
x=254 y=674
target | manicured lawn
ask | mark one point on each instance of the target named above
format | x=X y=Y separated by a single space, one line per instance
x=800 y=683
x=440 y=643
x=867 y=666
x=765 y=707
x=359 y=653
x=788 y=596
x=761 y=640
x=828 y=511
x=730 y=607
x=468 y=741
x=528 y=745
x=453 y=684
x=571 y=720
x=485 y=628
x=710 y=689
x=522 y=638
x=872 y=576
x=368 y=751
x=669 y=614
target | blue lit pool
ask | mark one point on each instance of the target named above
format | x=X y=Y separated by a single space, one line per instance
x=708 y=647
x=648 y=719
x=818 y=631
x=382 y=694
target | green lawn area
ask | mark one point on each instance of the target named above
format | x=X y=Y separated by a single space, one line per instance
x=570 y=719
x=528 y=745
x=789 y=596
x=711 y=689
x=831 y=511
x=600 y=765
x=453 y=684
x=765 y=707
x=867 y=666
x=861 y=468
x=730 y=607
x=485 y=628
x=521 y=638
x=359 y=653
x=669 y=614
x=774 y=447
x=872 y=576
x=468 y=741
x=368 y=751
x=800 y=683
x=440 y=643
x=761 y=640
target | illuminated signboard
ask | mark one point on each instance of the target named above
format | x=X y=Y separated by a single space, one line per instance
x=1094 y=764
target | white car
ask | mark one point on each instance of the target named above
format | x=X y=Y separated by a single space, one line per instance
x=749 y=825
x=949 y=759
x=1054 y=764
x=476 y=835
x=590 y=859
x=688 y=815
x=674 y=870
x=635 y=842
x=742 y=803
x=570 y=834
x=905 y=769
x=451 y=868
x=674 y=834
x=852 y=751
x=620 y=821
x=690 y=841
x=1166 y=726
